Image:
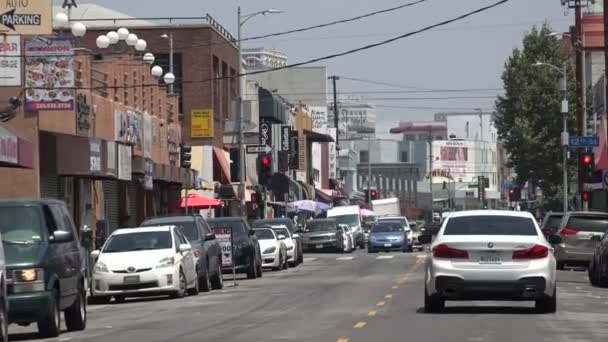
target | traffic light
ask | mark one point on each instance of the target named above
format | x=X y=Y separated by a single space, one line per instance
x=587 y=166
x=374 y=194
x=585 y=196
x=485 y=205
x=264 y=169
x=514 y=194
x=185 y=156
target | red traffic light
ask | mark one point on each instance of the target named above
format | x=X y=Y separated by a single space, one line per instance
x=511 y=191
x=374 y=193
x=254 y=197
x=585 y=196
x=587 y=159
x=266 y=161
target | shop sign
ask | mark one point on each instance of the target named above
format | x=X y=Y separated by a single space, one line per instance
x=49 y=74
x=319 y=117
x=111 y=161
x=147 y=132
x=129 y=128
x=148 y=174
x=95 y=156
x=9 y=149
x=124 y=162
x=10 y=61
x=83 y=111
x=202 y=123
x=28 y=17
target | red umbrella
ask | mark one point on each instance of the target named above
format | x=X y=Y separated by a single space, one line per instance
x=195 y=201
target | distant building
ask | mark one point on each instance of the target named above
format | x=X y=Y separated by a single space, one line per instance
x=263 y=58
x=357 y=116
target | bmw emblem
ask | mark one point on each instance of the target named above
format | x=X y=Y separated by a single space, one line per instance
x=131 y=269
x=490 y=245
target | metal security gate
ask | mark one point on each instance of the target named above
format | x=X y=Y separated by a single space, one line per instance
x=133 y=207
x=49 y=187
x=111 y=203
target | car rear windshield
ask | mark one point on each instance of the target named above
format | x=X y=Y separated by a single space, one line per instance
x=139 y=241
x=553 y=222
x=21 y=225
x=264 y=234
x=400 y=222
x=189 y=228
x=598 y=224
x=387 y=227
x=281 y=231
x=320 y=226
x=490 y=225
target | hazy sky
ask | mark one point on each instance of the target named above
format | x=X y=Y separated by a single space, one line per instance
x=464 y=55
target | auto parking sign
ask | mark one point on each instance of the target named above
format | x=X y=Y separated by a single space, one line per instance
x=224 y=237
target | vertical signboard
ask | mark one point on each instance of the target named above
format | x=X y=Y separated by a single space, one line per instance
x=319 y=117
x=95 y=156
x=265 y=132
x=9 y=149
x=49 y=74
x=202 y=123
x=148 y=174
x=124 y=162
x=294 y=150
x=10 y=61
x=284 y=148
x=147 y=133
x=111 y=161
x=333 y=154
x=224 y=237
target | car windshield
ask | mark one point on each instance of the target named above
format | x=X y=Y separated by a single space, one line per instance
x=596 y=224
x=281 y=231
x=138 y=241
x=553 y=222
x=395 y=221
x=320 y=226
x=387 y=227
x=351 y=220
x=21 y=225
x=189 y=228
x=490 y=225
x=264 y=234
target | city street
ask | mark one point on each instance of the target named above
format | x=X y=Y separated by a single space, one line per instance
x=342 y=297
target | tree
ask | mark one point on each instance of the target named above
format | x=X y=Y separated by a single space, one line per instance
x=528 y=115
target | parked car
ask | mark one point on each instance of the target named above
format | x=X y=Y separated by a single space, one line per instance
x=491 y=255
x=3 y=297
x=45 y=265
x=551 y=222
x=387 y=236
x=274 y=251
x=207 y=250
x=350 y=215
x=417 y=231
x=289 y=241
x=405 y=226
x=143 y=261
x=247 y=256
x=348 y=237
x=598 y=267
x=579 y=231
x=295 y=235
x=323 y=234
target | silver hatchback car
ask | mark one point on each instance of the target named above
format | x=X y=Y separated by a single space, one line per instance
x=580 y=233
x=491 y=255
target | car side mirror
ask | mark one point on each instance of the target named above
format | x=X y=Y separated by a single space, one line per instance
x=95 y=254
x=281 y=237
x=555 y=239
x=210 y=237
x=185 y=247
x=60 y=236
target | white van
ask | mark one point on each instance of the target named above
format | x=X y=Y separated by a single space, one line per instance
x=351 y=216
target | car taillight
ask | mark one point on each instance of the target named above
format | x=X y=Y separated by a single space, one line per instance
x=568 y=231
x=445 y=251
x=536 y=252
x=197 y=253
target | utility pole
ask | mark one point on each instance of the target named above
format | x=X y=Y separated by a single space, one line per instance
x=239 y=107
x=431 y=169
x=577 y=39
x=565 y=135
x=336 y=118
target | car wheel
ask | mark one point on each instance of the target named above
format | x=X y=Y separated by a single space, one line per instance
x=433 y=304
x=76 y=315
x=204 y=283
x=217 y=281
x=593 y=273
x=196 y=289
x=50 y=325
x=258 y=269
x=3 y=323
x=300 y=254
x=560 y=265
x=181 y=291
x=285 y=263
x=547 y=304
x=252 y=269
x=279 y=264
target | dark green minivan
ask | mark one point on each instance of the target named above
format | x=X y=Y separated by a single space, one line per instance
x=44 y=264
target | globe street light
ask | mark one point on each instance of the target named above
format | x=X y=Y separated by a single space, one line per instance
x=148 y=58
x=170 y=38
x=113 y=36
x=123 y=33
x=102 y=42
x=61 y=20
x=169 y=78
x=156 y=71
x=79 y=30
x=131 y=39
x=141 y=45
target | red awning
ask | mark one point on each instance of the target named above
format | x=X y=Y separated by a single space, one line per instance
x=198 y=201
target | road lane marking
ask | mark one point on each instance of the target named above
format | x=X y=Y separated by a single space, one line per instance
x=359 y=325
x=309 y=259
x=342 y=339
x=420 y=256
x=345 y=258
x=372 y=313
x=395 y=287
x=380 y=304
x=388 y=296
x=385 y=257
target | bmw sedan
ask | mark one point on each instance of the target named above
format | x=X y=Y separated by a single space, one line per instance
x=491 y=255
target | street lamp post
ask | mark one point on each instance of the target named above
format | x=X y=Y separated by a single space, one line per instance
x=565 y=137
x=241 y=20
x=170 y=38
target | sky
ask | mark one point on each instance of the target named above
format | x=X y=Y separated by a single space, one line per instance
x=468 y=54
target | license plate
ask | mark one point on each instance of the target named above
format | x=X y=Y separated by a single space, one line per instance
x=388 y=245
x=319 y=246
x=131 y=280
x=489 y=258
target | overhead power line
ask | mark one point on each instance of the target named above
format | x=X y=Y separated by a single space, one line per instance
x=335 y=22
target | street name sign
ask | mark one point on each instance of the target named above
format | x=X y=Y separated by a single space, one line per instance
x=584 y=141
x=258 y=149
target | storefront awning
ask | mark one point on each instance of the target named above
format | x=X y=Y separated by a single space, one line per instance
x=318 y=137
x=14 y=150
x=221 y=166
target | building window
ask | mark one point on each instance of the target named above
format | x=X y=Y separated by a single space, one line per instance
x=404 y=157
x=364 y=157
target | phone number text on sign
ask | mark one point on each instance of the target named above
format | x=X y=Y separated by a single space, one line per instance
x=224 y=237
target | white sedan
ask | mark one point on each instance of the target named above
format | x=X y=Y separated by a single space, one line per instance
x=274 y=251
x=289 y=242
x=491 y=255
x=144 y=261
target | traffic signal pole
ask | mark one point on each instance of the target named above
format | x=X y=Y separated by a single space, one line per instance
x=565 y=137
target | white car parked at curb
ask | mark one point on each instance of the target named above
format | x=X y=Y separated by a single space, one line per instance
x=274 y=251
x=144 y=261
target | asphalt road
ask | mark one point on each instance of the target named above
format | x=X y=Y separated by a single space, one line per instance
x=343 y=297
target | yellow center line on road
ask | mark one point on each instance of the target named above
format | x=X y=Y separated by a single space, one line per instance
x=342 y=339
x=380 y=304
x=395 y=287
x=359 y=325
x=372 y=313
x=388 y=296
